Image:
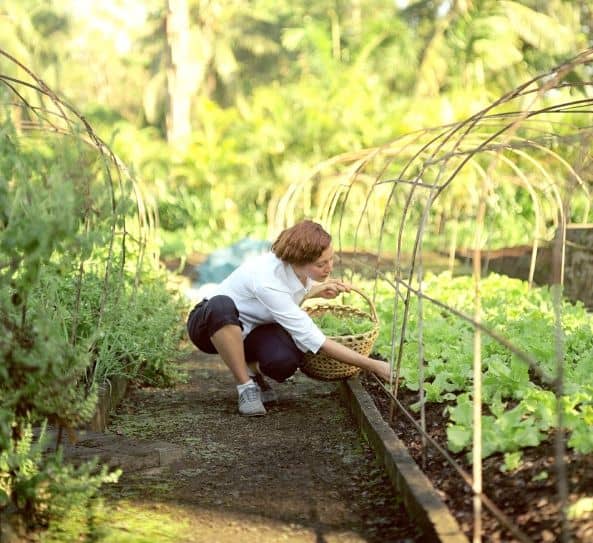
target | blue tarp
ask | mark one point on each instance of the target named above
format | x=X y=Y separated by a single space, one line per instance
x=222 y=262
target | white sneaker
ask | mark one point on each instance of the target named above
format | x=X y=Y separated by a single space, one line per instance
x=250 y=402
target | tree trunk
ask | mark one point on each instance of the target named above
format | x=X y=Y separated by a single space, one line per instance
x=180 y=76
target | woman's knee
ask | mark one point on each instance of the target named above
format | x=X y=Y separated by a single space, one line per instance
x=274 y=349
x=280 y=369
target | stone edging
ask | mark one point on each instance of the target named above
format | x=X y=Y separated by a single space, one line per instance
x=420 y=498
x=110 y=395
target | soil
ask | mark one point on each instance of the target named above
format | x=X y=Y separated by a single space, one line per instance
x=301 y=473
x=526 y=496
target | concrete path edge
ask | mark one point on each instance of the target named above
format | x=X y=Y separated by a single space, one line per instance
x=420 y=498
x=111 y=393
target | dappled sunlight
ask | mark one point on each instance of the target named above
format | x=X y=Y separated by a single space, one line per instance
x=131 y=520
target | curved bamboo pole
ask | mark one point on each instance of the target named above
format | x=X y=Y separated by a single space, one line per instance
x=418 y=168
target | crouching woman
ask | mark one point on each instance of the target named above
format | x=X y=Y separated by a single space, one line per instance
x=254 y=321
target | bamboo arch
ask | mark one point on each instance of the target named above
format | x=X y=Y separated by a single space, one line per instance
x=384 y=200
x=116 y=210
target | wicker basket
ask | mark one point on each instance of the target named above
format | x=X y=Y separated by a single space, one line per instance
x=322 y=367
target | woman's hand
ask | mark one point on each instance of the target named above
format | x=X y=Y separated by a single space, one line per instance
x=329 y=290
x=382 y=370
x=344 y=354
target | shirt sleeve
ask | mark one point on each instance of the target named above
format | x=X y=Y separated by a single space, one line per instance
x=305 y=333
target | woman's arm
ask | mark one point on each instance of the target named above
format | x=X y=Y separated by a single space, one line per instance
x=348 y=356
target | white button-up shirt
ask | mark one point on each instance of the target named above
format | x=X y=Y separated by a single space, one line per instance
x=266 y=289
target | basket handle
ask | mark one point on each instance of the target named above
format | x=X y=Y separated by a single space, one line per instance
x=368 y=300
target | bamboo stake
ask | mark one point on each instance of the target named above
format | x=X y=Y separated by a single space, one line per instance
x=477 y=376
x=559 y=436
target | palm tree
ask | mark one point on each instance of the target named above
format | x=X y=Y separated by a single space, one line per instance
x=492 y=43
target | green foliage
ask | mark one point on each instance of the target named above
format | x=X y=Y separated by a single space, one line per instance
x=42 y=488
x=279 y=87
x=521 y=409
x=335 y=325
x=496 y=44
x=43 y=374
x=138 y=343
x=41 y=222
x=80 y=301
x=512 y=461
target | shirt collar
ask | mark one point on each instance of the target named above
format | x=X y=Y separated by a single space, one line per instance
x=293 y=281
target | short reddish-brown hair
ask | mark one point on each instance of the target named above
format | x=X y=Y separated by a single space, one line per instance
x=302 y=243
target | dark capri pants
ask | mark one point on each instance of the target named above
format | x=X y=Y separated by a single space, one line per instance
x=268 y=344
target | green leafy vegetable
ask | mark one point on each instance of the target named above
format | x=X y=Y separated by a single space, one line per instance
x=333 y=325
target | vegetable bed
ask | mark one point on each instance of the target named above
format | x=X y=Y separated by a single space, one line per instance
x=519 y=405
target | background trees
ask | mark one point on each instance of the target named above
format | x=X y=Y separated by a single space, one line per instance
x=220 y=105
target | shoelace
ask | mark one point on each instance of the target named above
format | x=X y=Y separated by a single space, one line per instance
x=249 y=394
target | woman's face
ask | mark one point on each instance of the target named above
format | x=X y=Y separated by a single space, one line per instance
x=320 y=269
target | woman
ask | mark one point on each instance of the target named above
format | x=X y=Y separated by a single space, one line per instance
x=254 y=321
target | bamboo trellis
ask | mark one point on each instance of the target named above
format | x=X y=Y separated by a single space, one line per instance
x=114 y=201
x=386 y=201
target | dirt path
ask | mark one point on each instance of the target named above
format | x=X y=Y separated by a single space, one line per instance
x=299 y=474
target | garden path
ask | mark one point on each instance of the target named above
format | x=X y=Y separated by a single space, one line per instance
x=299 y=474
